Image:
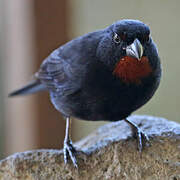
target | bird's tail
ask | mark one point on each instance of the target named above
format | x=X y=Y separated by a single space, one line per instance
x=30 y=88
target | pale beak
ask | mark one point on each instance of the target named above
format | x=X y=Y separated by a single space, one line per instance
x=135 y=50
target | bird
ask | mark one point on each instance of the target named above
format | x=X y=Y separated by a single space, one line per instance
x=103 y=75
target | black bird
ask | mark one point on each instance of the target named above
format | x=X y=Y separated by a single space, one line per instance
x=103 y=75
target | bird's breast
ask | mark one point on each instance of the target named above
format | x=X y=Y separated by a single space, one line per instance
x=131 y=70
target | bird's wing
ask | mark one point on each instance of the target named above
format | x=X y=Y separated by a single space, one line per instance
x=56 y=74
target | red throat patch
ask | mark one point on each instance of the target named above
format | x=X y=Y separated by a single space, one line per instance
x=132 y=70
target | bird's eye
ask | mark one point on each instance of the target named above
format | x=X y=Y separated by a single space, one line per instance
x=116 y=38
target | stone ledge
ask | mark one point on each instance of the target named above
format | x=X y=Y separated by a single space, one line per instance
x=109 y=153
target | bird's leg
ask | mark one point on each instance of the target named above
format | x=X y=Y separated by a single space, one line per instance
x=139 y=134
x=69 y=150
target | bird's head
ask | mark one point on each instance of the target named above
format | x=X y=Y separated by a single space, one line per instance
x=128 y=50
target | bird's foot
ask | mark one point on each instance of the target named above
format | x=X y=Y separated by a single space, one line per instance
x=139 y=135
x=69 y=151
x=142 y=138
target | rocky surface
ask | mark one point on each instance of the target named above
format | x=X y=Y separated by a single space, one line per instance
x=108 y=153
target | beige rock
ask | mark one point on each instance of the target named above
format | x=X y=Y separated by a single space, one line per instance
x=109 y=153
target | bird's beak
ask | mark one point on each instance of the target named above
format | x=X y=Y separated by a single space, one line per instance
x=135 y=50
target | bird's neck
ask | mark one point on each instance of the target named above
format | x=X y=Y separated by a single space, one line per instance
x=131 y=70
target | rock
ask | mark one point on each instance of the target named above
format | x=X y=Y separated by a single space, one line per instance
x=109 y=153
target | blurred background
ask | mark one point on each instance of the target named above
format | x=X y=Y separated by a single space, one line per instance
x=30 y=30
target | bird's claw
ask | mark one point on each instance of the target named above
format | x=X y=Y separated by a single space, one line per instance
x=141 y=136
x=69 y=151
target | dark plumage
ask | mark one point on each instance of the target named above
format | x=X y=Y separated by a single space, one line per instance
x=87 y=79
